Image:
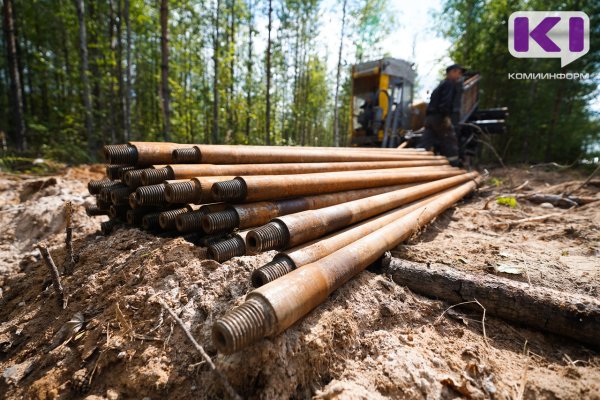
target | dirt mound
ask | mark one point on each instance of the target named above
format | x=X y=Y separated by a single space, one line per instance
x=371 y=339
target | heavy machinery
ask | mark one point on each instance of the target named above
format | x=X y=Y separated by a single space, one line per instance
x=384 y=115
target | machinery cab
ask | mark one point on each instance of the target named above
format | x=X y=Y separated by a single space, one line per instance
x=382 y=95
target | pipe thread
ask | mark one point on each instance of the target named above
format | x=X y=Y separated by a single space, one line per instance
x=151 y=221
x=153 y=176
x=120 y=154
x=190 y=221
x=112 y=171
x=133 y=178
x=104 y=205
x=153 y=195
x=124 y=169
x=181 y=192
x=186 y=155
x=272 y=236
x=94 y=186
x=117 y=211
x=133 y=200
x=229 y=191
x=240 y=327
x=95 y=210
x=227 y=249
x=271 y=271
x=108 y=226
x=167 y=218
x=120 y=195
x=221 y=222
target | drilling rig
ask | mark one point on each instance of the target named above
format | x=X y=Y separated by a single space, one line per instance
x=383 y=112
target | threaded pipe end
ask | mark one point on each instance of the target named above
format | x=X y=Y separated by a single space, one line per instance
x=120 y=154
x=167 y=218
x=133 y=178
x=109 y=226
x=230 y=191
x=221 y=222
x=240 y=327
x=153 y=195
x=95 y=211
x=94 y=186
x=153 y=176
x=226 y=249
x=133 y=200
x=124 y=169
x=271 y=271
x=118 y=212
x=182 y=192
x=104 y=205
x=186 y=155
x=112 y=171
x=151 y=221
x=272 y=236
x=120 y=195
x=190 y=221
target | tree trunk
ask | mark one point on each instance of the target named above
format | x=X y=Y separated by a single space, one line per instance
x=232 y=110
x=215 y=130
x=268 y=110
x=83 y=70
x=127 y=71
x=164 y=51
x=16 y=95
x=336 y=112
x=249 y=79
x=572 y=315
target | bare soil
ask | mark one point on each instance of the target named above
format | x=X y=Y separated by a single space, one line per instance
x=371 y=339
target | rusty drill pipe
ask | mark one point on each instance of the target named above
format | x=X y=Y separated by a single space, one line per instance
x=123 y=170
x=94 y=211
x=286 y=262
x=141 y=153
x=192 y=221
x=250 y=215
x=294 y=229
x=210 y=154
x=106 y=192
x=118 y=212
x=167 y=219
x=227 y=249
x=269 y=187
x=95 y=186
x=153 y=195
x=134 y=217
x=107 y=227
x=133 y=178
x=103 y=205
x=120 y=195
x=151 y=222
x=196 y=190
x=122 y=154
x=159 y=174
x=274 y=307
x=133 y=200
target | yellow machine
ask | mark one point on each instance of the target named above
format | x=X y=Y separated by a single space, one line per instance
x=382 y=94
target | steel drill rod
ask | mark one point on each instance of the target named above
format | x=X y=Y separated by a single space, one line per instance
x=210 y=154
x=160 y=173
x=274 y=307
x=196 y=190
x=251 y=215
x=148 y=153
x=285 y=262
x=95 y=186
x=167 y=219
x=270 y=187
x=192 y=221
x=227 y=249
x=154 y=195
x=294 y=229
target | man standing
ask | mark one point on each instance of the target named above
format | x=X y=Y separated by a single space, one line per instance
x=439 y=131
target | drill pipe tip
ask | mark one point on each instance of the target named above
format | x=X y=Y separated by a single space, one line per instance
x=167 y=219
x=133 y=178
x=187 y=155
x=190 y=221
x=112 y=171
x=109 y=226
x=95 y=186
x=153 y=176
x=226 y=249
x=271 y=271
x=221 y=222
x=242 y=326
x=151 y=221
x=230 y=191
x=272 y=236
x=95 y=210
x=181 y=192
x=153 y=195
x=120 y=154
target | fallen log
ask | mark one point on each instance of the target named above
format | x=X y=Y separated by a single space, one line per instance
x=570 y=315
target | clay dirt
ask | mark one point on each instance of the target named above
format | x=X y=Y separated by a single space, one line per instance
x=371 y=339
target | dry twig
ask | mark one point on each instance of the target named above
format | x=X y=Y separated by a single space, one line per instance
x=69 y=258
x=60 y=297
x=228 y=388
x=438 y=319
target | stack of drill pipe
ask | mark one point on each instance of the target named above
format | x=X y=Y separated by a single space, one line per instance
x=272 y=308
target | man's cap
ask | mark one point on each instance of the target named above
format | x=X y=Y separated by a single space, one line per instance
x=455 y=66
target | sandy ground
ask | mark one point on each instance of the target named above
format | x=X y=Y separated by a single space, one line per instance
x=371 y=339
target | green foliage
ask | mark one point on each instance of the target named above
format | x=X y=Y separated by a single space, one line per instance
x=507 y=201
x=11 y=163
